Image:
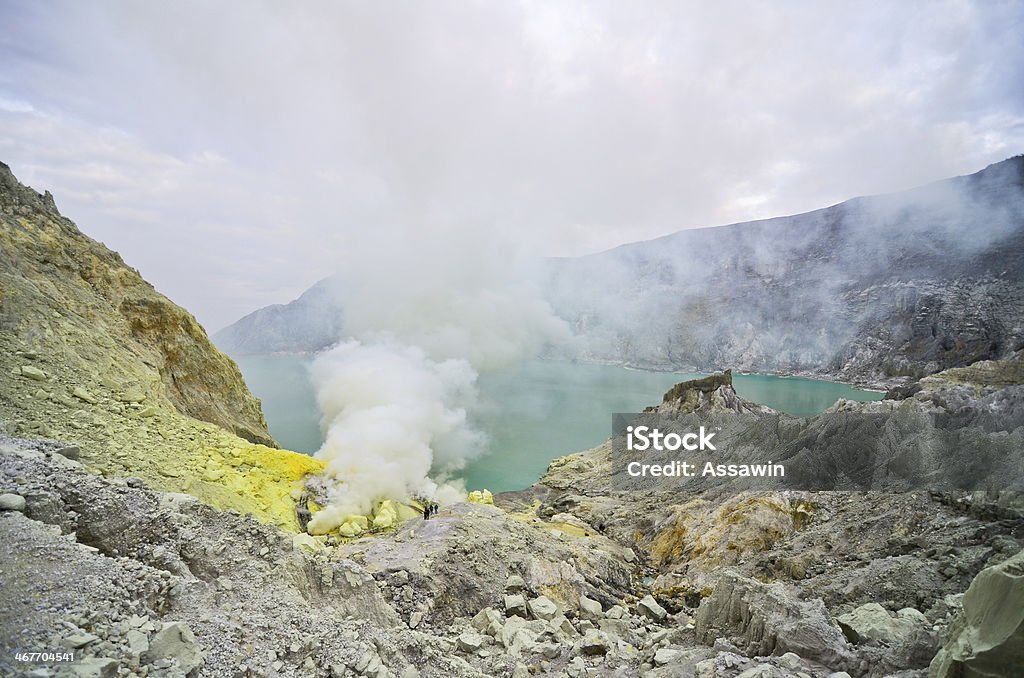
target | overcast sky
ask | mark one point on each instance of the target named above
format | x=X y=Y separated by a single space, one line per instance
x=234 y=152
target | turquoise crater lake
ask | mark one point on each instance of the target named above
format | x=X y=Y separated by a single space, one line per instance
x=533 y=413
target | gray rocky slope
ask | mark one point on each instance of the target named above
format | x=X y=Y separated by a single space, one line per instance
x=566 y=579
x=873 y=289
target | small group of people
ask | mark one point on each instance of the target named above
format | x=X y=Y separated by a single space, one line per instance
x=430 y=509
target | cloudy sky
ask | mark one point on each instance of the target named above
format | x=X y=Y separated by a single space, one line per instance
x=237 y=152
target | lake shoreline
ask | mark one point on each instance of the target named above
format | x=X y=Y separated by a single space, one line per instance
x=537 y=411
x=874 y=385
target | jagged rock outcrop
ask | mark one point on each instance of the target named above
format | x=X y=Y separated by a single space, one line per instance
x=988 y=636
x=91 y=353
x=902 y=556
x=764 y=619
x=70 y=303
x=713 y=394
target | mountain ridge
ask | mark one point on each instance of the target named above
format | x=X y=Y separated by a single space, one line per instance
x=875 y=290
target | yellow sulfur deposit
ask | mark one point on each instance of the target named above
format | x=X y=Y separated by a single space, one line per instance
x=254 y=479
x=354 y=525
x=304 y=542
x=385 y=516
x=480 y=497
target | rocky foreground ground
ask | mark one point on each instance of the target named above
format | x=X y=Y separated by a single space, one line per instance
x=148 y=527
x=564 y=579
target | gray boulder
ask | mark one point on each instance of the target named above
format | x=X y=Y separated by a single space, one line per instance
x=666 y=655
x=594 y=642
x=515 y=606
x=764 y=619
x=175 y=642
x=543 y=607
x=514 y=583
x=648 y=607
x=138 y=642
x=470 y=642
x=906 y=635
x=488 y=620
x=33 y=373
x=590 y=609
x=519 y=635
x=988 y=636
x=12 y=502
x=95 y=667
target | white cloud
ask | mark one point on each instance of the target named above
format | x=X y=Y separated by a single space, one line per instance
x=235 y=151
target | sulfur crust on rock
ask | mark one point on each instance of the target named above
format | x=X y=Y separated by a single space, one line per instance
x=257 y=480
x=480 y=497
x=711 y=539
x=90 y=353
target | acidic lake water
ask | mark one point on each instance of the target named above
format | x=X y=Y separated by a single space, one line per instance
x=533 y=413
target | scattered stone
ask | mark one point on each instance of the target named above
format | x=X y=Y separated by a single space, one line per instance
x=32 y=372
x=616 y=612
x=488 y=620
x=666 y=656
x=84 y=395
x=562 y=627
x=543 y=607
x=95 y=667
x=577 y=668
x=214 y=474
x=149 y=411
x=470 y=642
x=369 y=664
x=790 y=661
x=138 y=642
x=519 y=635
x=648 y=607
x=593 y=642
x=77 y=640
x=759 y=671
x=132 y=395
x=591 y=609
x=175 y=642
x=515 y=605
x=12 y=502
x=514 y=583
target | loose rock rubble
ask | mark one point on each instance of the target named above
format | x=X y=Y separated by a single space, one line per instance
x=145 y=583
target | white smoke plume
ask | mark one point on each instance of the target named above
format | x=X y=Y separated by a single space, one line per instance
x=396 y=398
